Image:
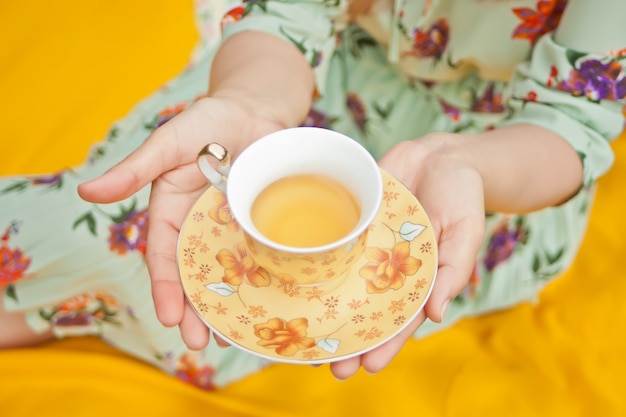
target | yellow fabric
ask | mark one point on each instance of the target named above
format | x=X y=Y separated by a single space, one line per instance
x=69 y=69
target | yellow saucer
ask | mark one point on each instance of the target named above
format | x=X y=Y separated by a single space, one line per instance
x=284 y=322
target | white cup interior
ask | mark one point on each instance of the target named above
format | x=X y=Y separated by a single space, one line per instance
x=304 y=150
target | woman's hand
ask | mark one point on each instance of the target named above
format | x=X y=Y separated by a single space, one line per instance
x=451 y=192
x=167 y=159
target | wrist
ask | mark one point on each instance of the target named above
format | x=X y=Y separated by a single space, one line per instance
x=417 y=161
x=524 y=167
x=266 y=107
x=264 y=73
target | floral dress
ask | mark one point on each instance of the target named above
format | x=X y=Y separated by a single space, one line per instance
x=405 y=69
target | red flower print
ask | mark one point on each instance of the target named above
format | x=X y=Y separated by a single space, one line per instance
x=531 y=96
x=129 y=233
x=237 y=13
x=536 y=23
x=432 y=42
x=554 y=75
x=233 y=15
x=13 y=262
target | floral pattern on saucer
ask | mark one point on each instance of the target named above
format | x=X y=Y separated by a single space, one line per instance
x=282 y=321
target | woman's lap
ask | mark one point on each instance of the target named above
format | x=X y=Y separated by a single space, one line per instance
x=78 y=268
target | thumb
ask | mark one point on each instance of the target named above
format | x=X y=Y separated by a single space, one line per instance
x=158 y=154
x=457 y=256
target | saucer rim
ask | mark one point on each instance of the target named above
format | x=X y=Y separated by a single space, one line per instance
x=327 y=360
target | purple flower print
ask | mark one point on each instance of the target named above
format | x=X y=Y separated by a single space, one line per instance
x=129 y=233
x=503 y=243
x=449 y=110
x=316 y=118
x=54 y=180
x=490 y=102
x=357 y=109
x=596 y=81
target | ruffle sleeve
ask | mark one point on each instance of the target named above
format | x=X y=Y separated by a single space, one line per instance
x=310 y=25
x=579 y=96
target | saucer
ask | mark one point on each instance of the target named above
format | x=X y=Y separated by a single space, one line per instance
x=280 y=321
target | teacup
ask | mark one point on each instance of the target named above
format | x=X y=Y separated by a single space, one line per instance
x=294 y=183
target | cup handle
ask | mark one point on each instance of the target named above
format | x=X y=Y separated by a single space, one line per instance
x=216 y=177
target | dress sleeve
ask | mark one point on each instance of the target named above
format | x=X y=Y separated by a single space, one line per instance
x=310 y=25
x=576 y=87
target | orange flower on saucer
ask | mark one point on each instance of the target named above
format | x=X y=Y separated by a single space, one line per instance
x=286 y=337
x=387 y=268
x=240 y=266
x=221 y=214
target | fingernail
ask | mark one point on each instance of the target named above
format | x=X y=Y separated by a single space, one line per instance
x=444 y=309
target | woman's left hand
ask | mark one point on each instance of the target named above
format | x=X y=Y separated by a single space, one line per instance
x=451 y=191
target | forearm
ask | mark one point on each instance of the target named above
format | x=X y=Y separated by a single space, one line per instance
x=526 y=166
x=265 y=73
x=523 y=167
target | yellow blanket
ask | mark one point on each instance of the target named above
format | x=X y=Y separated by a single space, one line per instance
x=69 y=69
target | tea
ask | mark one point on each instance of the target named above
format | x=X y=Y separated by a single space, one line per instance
x=305 y=210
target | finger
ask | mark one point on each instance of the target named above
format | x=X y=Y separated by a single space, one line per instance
x=457 y=249
x=377 y=359
x=167 y=212
x=193 y=330
x=169 y=301
x=158 y=154
x=221 y=342
x=167 y=291
x=345 y=368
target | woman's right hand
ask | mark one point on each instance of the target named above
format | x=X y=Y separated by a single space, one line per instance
x=167 y=159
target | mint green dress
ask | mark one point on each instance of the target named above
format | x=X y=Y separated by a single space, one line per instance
x=406 y=69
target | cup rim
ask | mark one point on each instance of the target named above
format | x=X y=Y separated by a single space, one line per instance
x=361 y=227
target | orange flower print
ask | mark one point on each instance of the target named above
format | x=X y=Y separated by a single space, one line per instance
x=240 y=266
x=166 y=115
x=200 y=376
x=286 y=337
x=387 y=268
x=84 y=310
x=77 y=303
x=221 y=214
x=13 y=262
x=536 y=23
